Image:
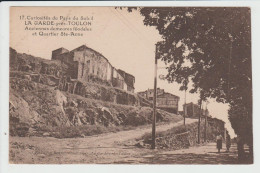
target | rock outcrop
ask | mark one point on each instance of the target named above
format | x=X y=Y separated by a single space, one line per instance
x=43 y=98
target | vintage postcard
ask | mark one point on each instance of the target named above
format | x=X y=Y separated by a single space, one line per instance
x=130 y=85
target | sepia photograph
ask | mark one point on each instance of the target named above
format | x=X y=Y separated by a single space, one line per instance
x=130 y=85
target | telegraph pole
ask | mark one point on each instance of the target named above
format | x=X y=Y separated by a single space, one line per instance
x=206 y=121
x=185 y=109
x=154 y=97
x=185 y=106
x=199 y=121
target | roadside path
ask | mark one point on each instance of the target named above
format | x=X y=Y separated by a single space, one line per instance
x=104 y=148
x=116 y=138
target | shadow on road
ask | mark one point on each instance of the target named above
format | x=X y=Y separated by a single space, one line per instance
x=207 y=155
x=191 y=158
x=188 y=158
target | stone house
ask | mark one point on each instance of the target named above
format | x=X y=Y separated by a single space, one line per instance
x=88 y=65
x=128 y=79
x=165 y=101
x=193 y=110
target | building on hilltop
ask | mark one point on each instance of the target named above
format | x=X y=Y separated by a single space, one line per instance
x=193 y=110
x=165 y=101
x=129 y=80
x=88 y=65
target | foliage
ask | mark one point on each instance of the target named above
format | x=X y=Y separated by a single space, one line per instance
x=211 y=47
x=197 y=44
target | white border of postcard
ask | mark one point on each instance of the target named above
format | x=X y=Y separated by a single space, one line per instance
x=5 y=167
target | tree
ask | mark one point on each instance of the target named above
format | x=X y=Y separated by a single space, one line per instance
x=212 y=46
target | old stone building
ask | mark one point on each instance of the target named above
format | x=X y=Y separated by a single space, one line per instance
x=165 y=101
x=128 y=79
x=193 y=110
x=88 y=65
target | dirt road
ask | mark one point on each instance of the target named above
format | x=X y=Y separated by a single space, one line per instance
x=105 y=148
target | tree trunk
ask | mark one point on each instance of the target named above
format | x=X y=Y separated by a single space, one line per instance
x=251 y=154
x=240 y=149
x=205 y=132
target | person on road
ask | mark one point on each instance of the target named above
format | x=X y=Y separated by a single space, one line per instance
x=228 y=142
x=219 y=142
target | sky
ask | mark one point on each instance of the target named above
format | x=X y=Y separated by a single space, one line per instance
x=118 y=35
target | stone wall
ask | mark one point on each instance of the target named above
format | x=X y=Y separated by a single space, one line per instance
x=184 y=137
x=176 y=141
x=28 y=63
x=87 y=90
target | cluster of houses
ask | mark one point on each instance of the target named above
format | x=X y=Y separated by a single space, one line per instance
x=87 y=64
x=193 y=110
x=170 y=103
x=166 y=101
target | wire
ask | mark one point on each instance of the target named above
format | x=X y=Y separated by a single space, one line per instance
x=134 y=28
x=129 y=26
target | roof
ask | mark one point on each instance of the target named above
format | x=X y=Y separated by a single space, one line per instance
x=191 y=103
x=60 y=49
x=141 y=92
x=84 y=47
x=122 y=71
x=168 y=94
x=161 y=95
x=153 y=89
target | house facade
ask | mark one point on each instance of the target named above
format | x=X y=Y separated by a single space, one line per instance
x=88 y=65
x=193 y=110
x=165 y=101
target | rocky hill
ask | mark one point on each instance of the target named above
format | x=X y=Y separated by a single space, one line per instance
x=44 y=101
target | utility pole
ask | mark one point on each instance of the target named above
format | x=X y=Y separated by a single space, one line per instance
x=185 y=106
x=206 y=122
x=154 y=97
x=199 y=121
x=229 y=62
x=185 y=109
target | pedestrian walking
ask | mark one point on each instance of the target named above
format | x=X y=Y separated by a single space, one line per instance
x=219 y=142
x=228 y=142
